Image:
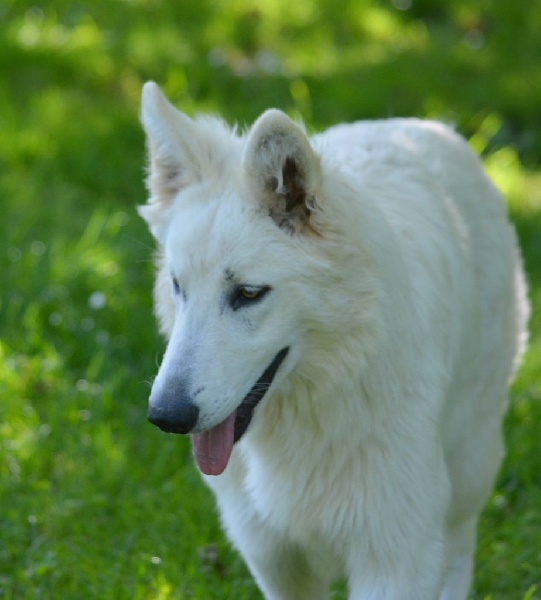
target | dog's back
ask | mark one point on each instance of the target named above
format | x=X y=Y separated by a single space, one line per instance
x=461 y=258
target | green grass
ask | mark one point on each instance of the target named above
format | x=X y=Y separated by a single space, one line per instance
x=95 y=503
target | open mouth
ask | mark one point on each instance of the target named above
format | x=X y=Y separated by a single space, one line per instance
x=255 y=395
x=213 y=447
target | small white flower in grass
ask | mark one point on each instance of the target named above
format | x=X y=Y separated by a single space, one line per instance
x=97 y=300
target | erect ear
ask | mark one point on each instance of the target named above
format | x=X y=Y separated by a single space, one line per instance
x=172 y=147
x=282 y=170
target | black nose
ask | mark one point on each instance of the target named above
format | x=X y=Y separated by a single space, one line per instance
x=174 y=418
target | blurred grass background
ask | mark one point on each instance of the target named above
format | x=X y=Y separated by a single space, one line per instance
x=94 y=502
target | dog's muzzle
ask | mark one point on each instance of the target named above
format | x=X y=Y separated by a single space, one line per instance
x=172 y=411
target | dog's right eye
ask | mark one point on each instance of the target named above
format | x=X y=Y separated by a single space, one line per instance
x=176 y=287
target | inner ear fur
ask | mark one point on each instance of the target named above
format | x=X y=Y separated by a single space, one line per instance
x=283 y=170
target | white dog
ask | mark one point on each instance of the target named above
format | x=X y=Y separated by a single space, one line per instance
x=344 y=313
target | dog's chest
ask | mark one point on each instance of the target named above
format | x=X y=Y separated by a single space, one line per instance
x=310 y=496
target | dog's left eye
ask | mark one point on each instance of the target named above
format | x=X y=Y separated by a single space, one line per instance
x=248 y=294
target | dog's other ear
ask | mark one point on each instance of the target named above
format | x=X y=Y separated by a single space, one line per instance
x=283 y=170
x=172 y=147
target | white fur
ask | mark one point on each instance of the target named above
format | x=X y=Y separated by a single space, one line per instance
x=397 y=285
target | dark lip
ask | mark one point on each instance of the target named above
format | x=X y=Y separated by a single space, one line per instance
x=255 y=395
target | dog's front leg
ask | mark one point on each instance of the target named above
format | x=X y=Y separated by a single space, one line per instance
x=401 y=548
x=282 y=571
x=279 y=567
x=400 y=578
x=277 y=564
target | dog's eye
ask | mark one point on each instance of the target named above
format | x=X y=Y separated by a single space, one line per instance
x=176 y=286
x=248 y=294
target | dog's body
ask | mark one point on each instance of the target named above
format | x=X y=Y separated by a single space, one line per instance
x=370 y=280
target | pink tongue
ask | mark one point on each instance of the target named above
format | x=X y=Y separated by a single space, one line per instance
x=212 y=448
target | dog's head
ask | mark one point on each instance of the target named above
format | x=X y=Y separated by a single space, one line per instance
x=240 y=278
